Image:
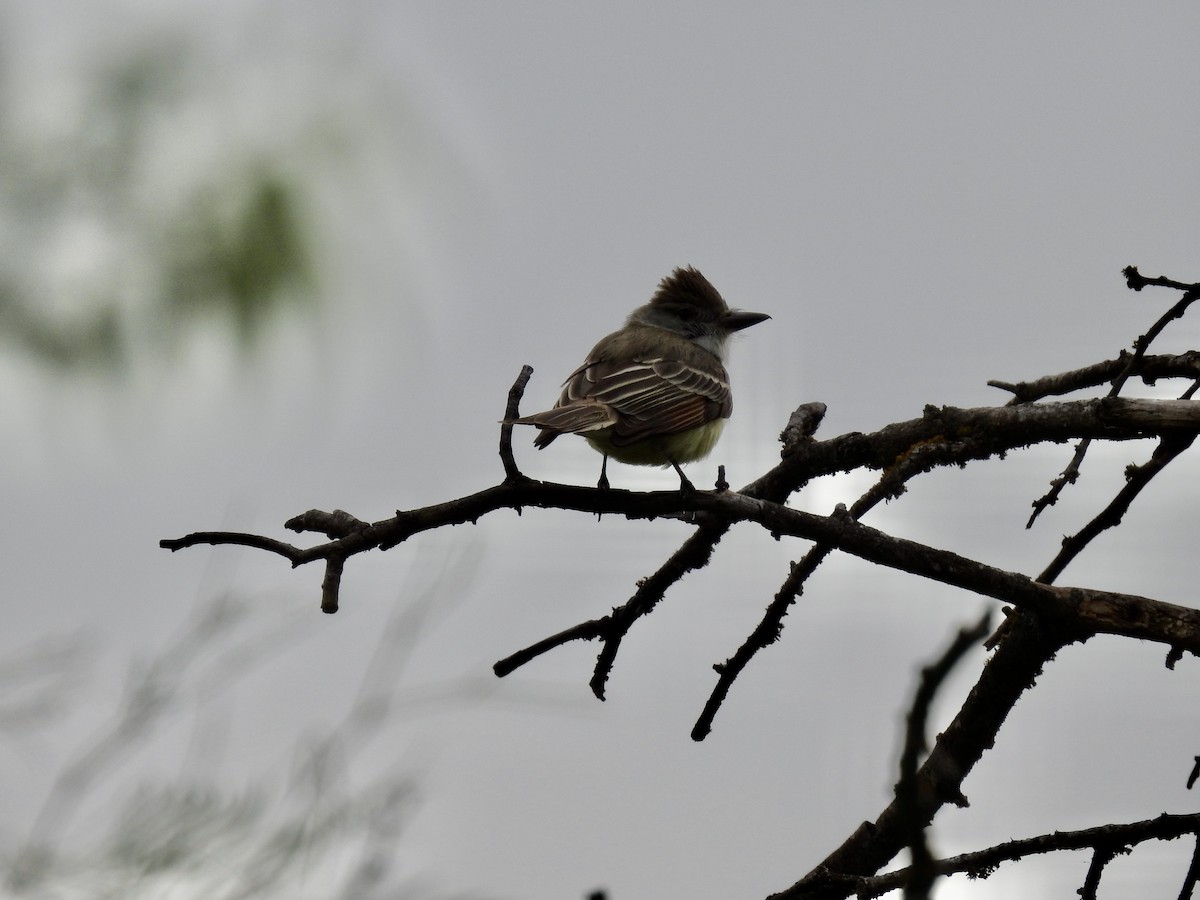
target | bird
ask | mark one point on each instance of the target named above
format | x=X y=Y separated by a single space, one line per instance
x=655 y=392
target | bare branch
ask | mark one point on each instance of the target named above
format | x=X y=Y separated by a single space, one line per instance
x=1150 y=369
x=891 y=485
x=257 y=541
x=995 y=429
x=1136 y=282
x=1101 y=857
x=982 y=863
x=585 y=631
x=1013 y=668
x=1064 y=382
x=333 y=525
x=802 y=425
x=922 y=871
x=332 y=583
x=1193 y=873
x=1136 y=478
x=512 y=412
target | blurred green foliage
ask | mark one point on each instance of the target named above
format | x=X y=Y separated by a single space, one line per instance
x=110 y=252
x=246 y=267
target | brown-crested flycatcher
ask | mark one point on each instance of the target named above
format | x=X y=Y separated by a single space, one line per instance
x=655 y=393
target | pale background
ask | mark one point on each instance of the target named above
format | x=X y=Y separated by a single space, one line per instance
x=923 y=196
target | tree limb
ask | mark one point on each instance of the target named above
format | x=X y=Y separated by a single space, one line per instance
x=982 y=863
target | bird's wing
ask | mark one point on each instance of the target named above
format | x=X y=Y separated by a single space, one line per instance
x=649 y=396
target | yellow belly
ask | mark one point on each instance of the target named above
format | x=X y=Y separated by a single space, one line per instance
x=684 y=447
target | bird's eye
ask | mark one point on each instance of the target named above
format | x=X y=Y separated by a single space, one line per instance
x=687 y=312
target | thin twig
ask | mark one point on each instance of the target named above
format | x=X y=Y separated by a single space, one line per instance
x=1192 y=877
x=1136 y=478
x=1136 y=282
x=693 y=554
x=922 y=871
x=770 y=627
x=1150 y=370
x=512 y=411
x=332 y=583
x=584 y=631
x=1101 y=857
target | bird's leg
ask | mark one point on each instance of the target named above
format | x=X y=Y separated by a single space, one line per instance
x=602 y=484
x=684 y=484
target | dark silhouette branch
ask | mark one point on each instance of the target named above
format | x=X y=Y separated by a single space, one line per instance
x=982 y=863
x=1012 y=669
x=922 y=870
x=1136 y=478
x=890 y=486
x=1193 y=873
x=1101 y=857
x=967 y=434
x=1150 y=369
x=585 y=631
x=922 y=443
x=1026 y=645
x=1136 y=281
x=694 y=554
x=331 y=584
x=511 y=412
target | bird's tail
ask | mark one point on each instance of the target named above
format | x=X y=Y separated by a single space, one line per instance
x=577 y=418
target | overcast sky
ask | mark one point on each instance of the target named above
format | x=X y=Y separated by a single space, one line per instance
x=923 y=196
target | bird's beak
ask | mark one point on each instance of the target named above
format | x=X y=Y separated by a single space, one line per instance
x=737 y=319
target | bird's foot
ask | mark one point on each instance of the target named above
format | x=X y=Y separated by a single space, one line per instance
x=685 y=486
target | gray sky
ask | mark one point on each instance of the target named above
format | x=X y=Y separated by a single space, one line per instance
x=923 y=196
